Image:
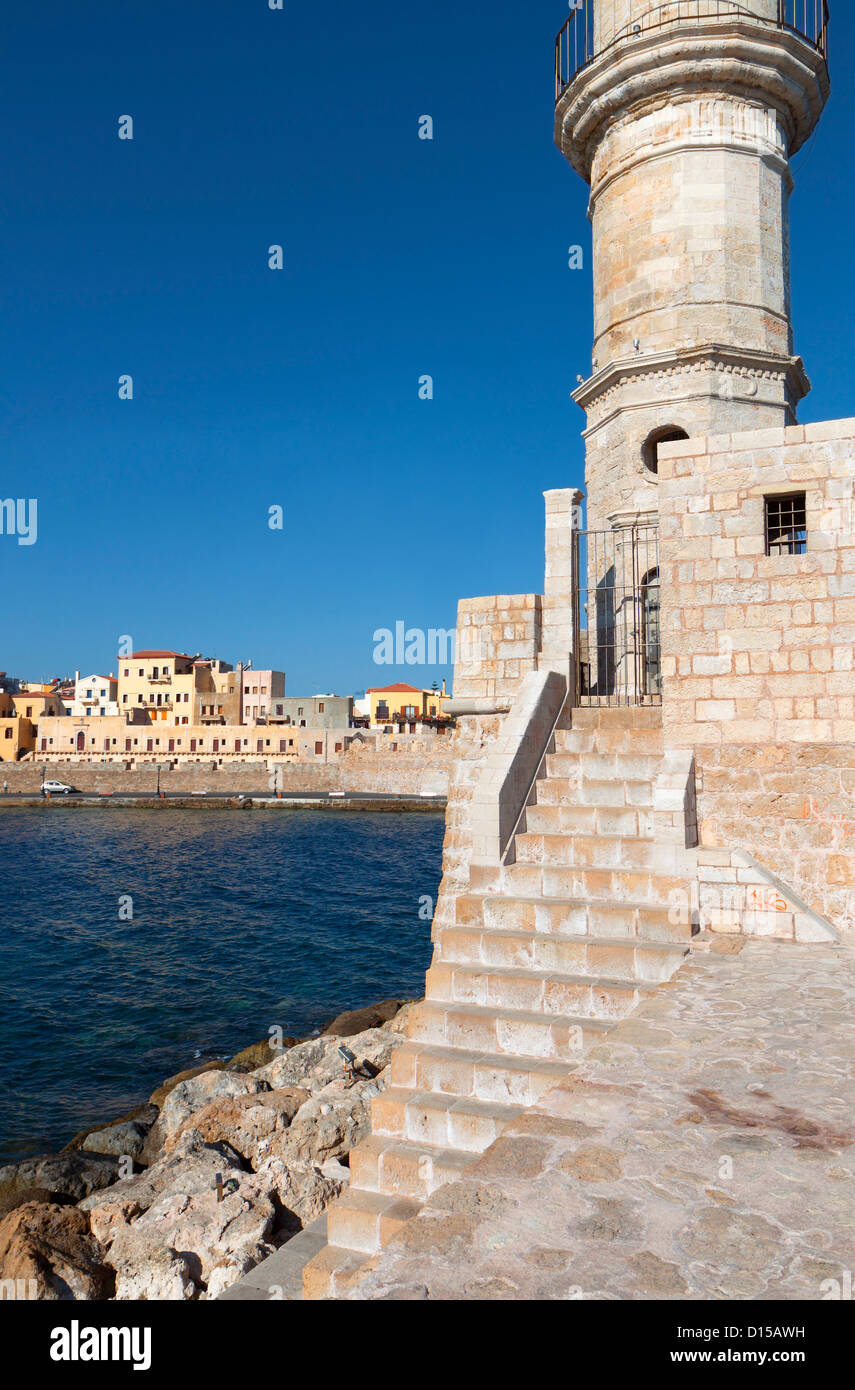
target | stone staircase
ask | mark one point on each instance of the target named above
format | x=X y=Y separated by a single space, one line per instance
x=547 y=954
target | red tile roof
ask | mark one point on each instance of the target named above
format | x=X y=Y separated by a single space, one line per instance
x=400 y=689
x=143 y=656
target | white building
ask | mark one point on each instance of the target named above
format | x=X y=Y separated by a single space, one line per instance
x=95 y=695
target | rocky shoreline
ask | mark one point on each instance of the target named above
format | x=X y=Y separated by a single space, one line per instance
x=181 y=1197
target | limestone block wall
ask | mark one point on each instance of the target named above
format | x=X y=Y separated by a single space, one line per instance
x=404 y=770
x=757 y=650
x=498 y=642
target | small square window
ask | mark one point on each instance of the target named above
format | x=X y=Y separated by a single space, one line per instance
x=786 y=524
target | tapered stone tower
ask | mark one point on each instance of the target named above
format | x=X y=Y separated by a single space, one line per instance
x=683 y=118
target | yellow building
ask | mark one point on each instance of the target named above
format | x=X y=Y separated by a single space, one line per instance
x=168 y=687
x=404 y=703
x=17 y=731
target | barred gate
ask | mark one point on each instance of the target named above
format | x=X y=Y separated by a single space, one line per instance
x=616 y=620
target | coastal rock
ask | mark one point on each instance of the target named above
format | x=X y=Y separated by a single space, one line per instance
x=247 y=1123
x=354 y=1021
x=400 y=1024
x=142 y=1115
x=52 y=1249
x=329 y=1125
x=192 y=1095
x=72 y=1175
x=316 y=1062
x=218 y=1240
x=159 y=1095
x=257 y=1055
x=192 y=1167
x=147 y=1270
x=302 y=1190
x=120 y=1139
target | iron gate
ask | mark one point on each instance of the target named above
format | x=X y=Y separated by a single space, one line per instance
x=617 y=644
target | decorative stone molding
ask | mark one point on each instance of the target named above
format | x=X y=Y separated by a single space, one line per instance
x=738 y=57
x=743 y=365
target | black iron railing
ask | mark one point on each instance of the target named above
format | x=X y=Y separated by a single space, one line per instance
x=617 y=640
x=576 y=44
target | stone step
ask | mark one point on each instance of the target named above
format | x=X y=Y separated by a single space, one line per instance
x=614 y=885
x=504 y=1031
x=440 y=1119
x=605 y=740
x=456 y=1071
x=611 y=793
x=403 y=1167
x=618 y=958
x=533 y=990
x=588 y=820
x=568 y=850
x=364 y=1222
x=602 y=767
x=614 y=717
x=331 y=1272
x=623 y=919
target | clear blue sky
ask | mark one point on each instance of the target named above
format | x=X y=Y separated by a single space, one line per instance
x=255 y=388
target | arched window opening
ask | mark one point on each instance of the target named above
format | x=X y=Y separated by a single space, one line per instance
x=650 y=450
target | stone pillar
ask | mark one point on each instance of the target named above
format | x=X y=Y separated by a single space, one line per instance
x=563 y=519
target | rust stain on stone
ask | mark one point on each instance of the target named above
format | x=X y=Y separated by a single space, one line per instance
x=808 y=1134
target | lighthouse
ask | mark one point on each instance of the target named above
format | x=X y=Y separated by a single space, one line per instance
x=684 y=118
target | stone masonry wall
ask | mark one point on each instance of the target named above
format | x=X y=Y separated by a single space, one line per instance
x=416 y=774
x=793 y=809
x=498 y=642
x=757 y=650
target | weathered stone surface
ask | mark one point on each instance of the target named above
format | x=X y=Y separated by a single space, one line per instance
x=52 y=1248
x=127 y=1138
x=725 y=1173
x=142 y=1115
x=191 y=1167
x=316 y=1062
x=257 y=1055
x=328 y=1125
x=192 y=1095
x=248 y=1123
x=354 y=1021
x=158 y=1096
x=217 y=1240
x=68 y=1174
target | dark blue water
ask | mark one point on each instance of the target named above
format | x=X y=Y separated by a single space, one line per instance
x=242 y=920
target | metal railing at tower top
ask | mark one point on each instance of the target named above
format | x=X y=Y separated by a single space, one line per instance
x=577 y=43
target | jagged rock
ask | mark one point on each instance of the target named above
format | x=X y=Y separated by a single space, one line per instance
x=400 y=1024
x=354 y=1021
x=119 y=1139
x=248 y=1123
x=143 y=1115
x=316 y=1062
x=257 y=1055
x=192 y=1167
x=72 y=1175
x=52 y=1248
x=302 y=1190
x=329 y=1125
x=148 y=1270
x=192 y=1095
x=34 y=1194
x=218 y=1240
x=159 y=1095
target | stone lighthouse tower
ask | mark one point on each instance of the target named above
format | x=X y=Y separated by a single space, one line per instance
x=683 y=118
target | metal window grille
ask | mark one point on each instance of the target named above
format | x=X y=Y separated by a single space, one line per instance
x=786 y=525
x=617 y=625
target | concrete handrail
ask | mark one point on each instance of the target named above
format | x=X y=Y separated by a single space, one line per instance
x=506 y=779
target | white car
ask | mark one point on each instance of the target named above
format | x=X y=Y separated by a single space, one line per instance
x=56 y=789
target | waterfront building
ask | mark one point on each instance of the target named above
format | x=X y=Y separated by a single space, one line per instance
x=95 y=695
